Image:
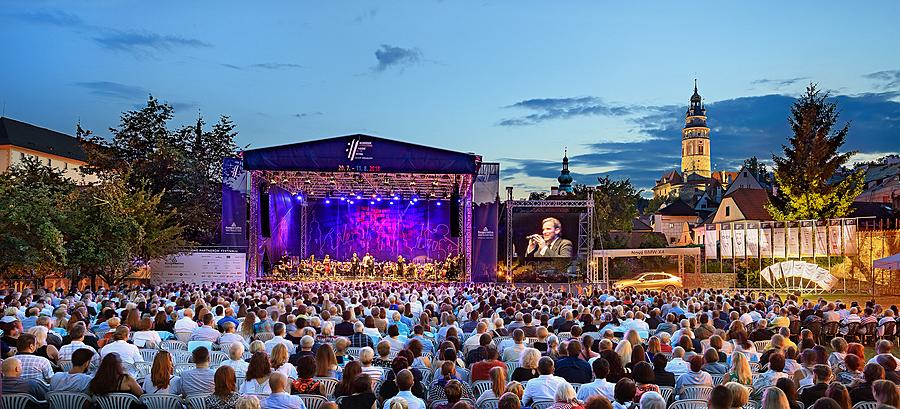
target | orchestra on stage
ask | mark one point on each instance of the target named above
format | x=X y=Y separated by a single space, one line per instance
x=366 y=268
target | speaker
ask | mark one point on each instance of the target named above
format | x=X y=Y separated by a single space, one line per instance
x=454 y=214
x=264 y=229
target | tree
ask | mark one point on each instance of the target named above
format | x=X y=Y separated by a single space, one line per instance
x=658 y=202
x=184 y=163
x=804 y=175
x=31 y=212
x=615 y=205
x=537 y=195
x=758 y=169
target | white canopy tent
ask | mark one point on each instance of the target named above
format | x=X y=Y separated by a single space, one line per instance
x=888 y=263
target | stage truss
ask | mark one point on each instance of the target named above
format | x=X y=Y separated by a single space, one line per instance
x=585 y=229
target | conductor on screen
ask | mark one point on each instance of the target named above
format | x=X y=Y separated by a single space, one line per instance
x=549 y=243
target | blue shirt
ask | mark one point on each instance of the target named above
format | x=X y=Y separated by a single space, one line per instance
x=282 y=400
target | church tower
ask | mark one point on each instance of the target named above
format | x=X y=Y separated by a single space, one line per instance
x=695 y=139
x=565 y=179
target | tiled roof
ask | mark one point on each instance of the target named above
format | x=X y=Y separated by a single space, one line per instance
x=752 y=203
x=25 y=135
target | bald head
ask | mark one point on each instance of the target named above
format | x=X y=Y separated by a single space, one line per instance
x=11 y=368
x=278 y=382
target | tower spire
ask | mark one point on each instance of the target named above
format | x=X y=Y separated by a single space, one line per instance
x=565 y=179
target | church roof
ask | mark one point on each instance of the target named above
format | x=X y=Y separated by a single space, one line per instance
x=752 y=203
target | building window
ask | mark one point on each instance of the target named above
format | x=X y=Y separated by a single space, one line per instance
x=671 y=225
x=727 y=211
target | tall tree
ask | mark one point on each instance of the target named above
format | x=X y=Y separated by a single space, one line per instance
x=615 y=205
x=185 y=163
x=804 y=174
x=758 y=169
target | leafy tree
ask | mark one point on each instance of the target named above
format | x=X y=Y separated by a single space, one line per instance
x=184 y=163
x=615 y=205
x=804 y=174
x=758 y=169
x=658 y=202
x=32 y=202
x=537 y=195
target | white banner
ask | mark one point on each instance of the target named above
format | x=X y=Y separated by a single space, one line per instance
x=821 y=241
x=752 y=240
x=806 y=239
x=200 y=266
x=792 y=243
x=725 y=241
x=834 y=237
x=765 y=240
x=740 y=241
x=779 y=239
x=711 y=241
x=849 y=236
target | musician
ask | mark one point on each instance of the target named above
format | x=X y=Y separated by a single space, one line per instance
x=354 y=265
x=369 y=264
x=549 y=243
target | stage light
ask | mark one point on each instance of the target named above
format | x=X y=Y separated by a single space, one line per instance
x=343 y=198
x=412 y=202
x=371 y=202
x=351 y=202
x=358 y=197
x=392 y=202
x=438 y=203
x=327 y=201
x=396 y=197
x=378 y=198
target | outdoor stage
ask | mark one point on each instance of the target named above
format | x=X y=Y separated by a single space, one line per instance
x=318 y=208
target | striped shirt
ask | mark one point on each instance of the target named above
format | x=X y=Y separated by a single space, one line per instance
x=65 y=353
x=35 y=367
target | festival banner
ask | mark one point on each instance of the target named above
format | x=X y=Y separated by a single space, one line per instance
x=234 y=203
x=849 y=237
x=740 y=241
x=779 y=248
x=752 y=239
x=712 y=241
x=834 y=236
x=821 y=239
x=765 y=239
x=806 y=238
x=725 y=240
x=792 y=243
x=485 y=222
x=200 y=266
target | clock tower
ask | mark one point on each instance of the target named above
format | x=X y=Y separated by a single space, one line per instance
x=695 y=139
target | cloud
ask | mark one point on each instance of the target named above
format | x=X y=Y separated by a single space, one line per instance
x=389 y=56
x=114 y=90
x=778 y=84
x=740 y=128
x=889 y=79
x=52 y=17
x=303 y=115
x=133 y=41
x=264 y=66
x=562 y=108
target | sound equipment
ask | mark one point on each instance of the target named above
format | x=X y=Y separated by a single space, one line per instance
x=454 y=211
x=264 y=228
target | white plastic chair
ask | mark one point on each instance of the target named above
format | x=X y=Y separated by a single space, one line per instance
x=689 y=404
x=116 y=400
x=162 y=401
x=148 y=354
x=196 y=401
x=696 y=392
x=18 y=400
x=865 y=405
x=313 y=401
x=67 y=400
x=328 y=385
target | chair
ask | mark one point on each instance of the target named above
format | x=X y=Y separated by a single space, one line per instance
x=179 y=368
x=511 y=366
x=543 y=404
x=116 y=400
x=666 y=392
x=870 y=334
x=354 y=352
x=165 y=335
x=65 y=364
x=865 y=405
x=173 y=345
x=161 y=401
x=717 y=379
x=192 y=345
x=183 y=336
x=143 y=368
x=328 y=385
x=761 y=345
x=180 y=357
x=689 y=404
x=752 y=404
x=852 y=330
x=217 y=357
x=313 y=401
x=888 y=330
x=148 y=354
x=265 y=336
x=696 y=392
x=829 y=331
x=754 y=366
x=481 y=386
x=18 y=400
x=435 y=393
x=67 y=400
x=489 y=404
x=562 y=336
x=196 y=401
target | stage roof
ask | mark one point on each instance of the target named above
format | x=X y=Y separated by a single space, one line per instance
x=360 y=153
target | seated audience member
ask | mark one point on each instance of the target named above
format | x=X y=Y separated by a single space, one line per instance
x=821 y=379
x=112 y=377
x=481 y=369
x=453 y=391
x=721 y=398
x=305 y=382
x=162 y=377
x=33 y=366
x=404 y=384
x=740 y=394
x=694 y=377
x=543 y=387
x=863 y=391
x=280 y=398
x=361 y=395
x=256 y=378
x=128 y=353
x=528 y=365
x=571 y=367
x=225 y=393
x=77 y=379
x=599 y=386
x=624 y=394
x=236 y=359
x=12 y=381
x=200 y=380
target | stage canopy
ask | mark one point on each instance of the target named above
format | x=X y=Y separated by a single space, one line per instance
x=362 y=165
x=888 y=263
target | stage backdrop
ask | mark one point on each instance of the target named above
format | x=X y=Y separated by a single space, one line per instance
x=417 y=231
x=485 y=223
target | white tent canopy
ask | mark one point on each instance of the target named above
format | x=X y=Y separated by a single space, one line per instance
x=888 y=263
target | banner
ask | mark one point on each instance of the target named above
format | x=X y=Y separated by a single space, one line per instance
x=806 y=238
x=834 y=236
x=725 y=240
x=234 y=203
x=765 y=240
x=821 y=239
x=779 y=240
x=792 y=243
x=711 y=242
x=485 y=220
x=740 y=241
x=199 y=266
x=849 y=237
x=752 y=240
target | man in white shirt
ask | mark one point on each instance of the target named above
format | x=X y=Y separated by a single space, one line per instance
x=543 y=387
x=128 y=353
x=230 y=337
x=281 y=398
x=236 y=360
x=600 y=386
x=186 y=324
x=278 y=330
x=513 y=352
x=207 y=332
x=678 y=366
x=473 y=341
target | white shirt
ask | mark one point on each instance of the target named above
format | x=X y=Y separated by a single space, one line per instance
x=240 y=367
x=543 y=387
x=142 y=338
x=597 y=387
x=278 y=339
x=128 y=353
x=678 y=366
x=185 y=325
x=252 y=387
x=288 y=370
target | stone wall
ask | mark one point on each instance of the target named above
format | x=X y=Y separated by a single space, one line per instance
x=710 y=280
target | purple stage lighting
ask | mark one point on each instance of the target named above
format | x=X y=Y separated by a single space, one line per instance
x=351 y=202
x=392 y=202
x=358 y=197
x=327 y=201
x=371 y=202
x=438 y=203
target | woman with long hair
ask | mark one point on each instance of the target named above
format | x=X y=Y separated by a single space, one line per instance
x=885 y=393
x=637 y=355
x=362 y=396
x=279 y=362
x=256 y=381
x=247 y=327
x=633 y=337
x=143 y=334
x=790 y=392
x=326 y=362
x=225 y=394
x=419 y=361
x=498 y=386
x=528 y=365
x=740 y=370
x=623 y=349
x=587 y=342
x=112 y=377
x=43 y=349
x=345 y=386
x=616 y=369
x=162 y=377
x=644 y=379
x=840 y=394
x=774 y=398
x=653 y=347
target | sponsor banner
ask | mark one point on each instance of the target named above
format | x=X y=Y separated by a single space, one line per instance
x=234 y=203
x=765 y=240
x=485 y=222
x=199 y=266
x=752 y=238
x=725 y=241
x=806 y=238
x=712 y=241
x=834 y=236
x=740 y=241
x=821 y=239
x=849 y=237
x=793 y=239
x=779 y=239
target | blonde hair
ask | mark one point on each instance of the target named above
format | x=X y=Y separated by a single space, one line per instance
x=279 y=356
x=740 y=367
x=399 y=403
x=740 y=394
x=565 y=393
x=774 y=398
x=247 y=402
x=624 y=351
x=257 y=346
x=529 y=358
x=40 y=335
x=633 y=337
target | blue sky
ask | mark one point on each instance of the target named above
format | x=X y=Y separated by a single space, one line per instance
x=513 y=81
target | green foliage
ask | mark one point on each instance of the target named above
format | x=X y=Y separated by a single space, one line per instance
x=810 y=161
x=758 y=169
x=658 y=202
x=184 y=163
x=538 y=195
x=615 y=205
